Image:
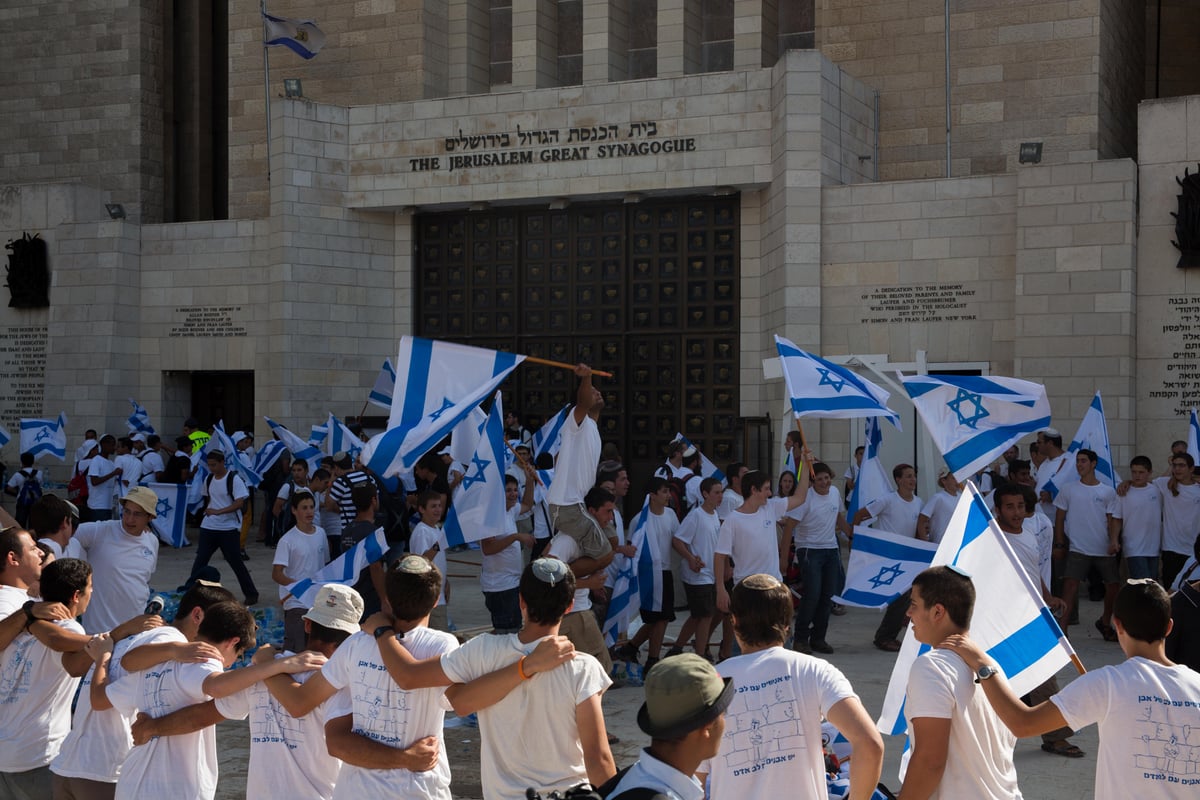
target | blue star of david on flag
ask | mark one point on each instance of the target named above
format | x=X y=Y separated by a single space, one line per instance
x=446 y=406
x=480 y=466
x=828 y=378
x=163 y=508
x=44 y=435
x=892 y=572
x=964 y=397
x=478 y=508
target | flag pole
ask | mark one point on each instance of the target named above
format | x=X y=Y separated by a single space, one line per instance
x=262 y=4
x=812 y=473
x=561 y=365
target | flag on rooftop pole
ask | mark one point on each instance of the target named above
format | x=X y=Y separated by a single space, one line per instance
x=882 y=567
x=548 y=438
x=1092 y=435
x=301 y=36
x=1193 y=437
x=344 y=569
x=478 y=508
x=1010 y=621
x=385 y=383
x=139 y=420
x=707 y=468
x=437 y=384
x=872 y=482
x=820 y=388
x=626 y=590
x=5 y=436
x=45 y=437
x=171 y=523
x=299 y=448
x=972 y=419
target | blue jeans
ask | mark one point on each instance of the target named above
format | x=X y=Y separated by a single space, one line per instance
x=505 y=608
x=821 y=571
x=1142 y=566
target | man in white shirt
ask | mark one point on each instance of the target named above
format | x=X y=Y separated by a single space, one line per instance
x=1055 y=467
x=1084 y=522
x=898 y=513
x=152 y=460
x=221 y=526
x=129 y=464
x=52 y=522
x=959 y=746
x=103 y=478
x=813 y=527
x=935 y=515
x=1140 y=511
x=673 y=467
x=696 y=543
x=1147 y=707
x=1181 y=514
x=657 y=584
x=124 y=554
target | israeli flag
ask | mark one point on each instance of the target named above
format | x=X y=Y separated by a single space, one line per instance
x=195 y=491
x=1092 y=435
x=341 y=439
x=381 y=392
x=872 y=482
x=820 y=388
x=5 y=436
x=299 y=448
x=548 y=438
x=973 y=419
x=171 y=523
x=1010 y=621
x=1193 y=437
x=707 y=468
x=650 y=580
x=268 y=455
x=139 y=420
x=318 y=435
x=437 y=384
x=466 y=436
x=478 y=508
x=45 y=437
x=234 y=459
x=882 y=567
x=626 y=590
x=301 y=36
x=344 y=569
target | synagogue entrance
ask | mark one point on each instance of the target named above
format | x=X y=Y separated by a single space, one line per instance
x=647 y=291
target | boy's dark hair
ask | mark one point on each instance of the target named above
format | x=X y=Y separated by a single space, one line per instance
x=299 y=494
x=153 y=441
x=608 y=471
x=762 y=610
x=46 y=551
x=862 y=448
x=319 y=633
x=1177 y=443
x=432 y=462
x=1031 y=498
x=321 y=474
x=125 y=442
x=202 y=596
x=183 y=444
x=27 y=460
x=1017 y=464
x=821 y=468
x=707 y=485
x=1090 y=455
x=1006 y=490
x=363 y=494
x=413 y=594
x=427 y=496
x=951 y=590
x=10 y=542
x=655 y=483
x=544 y=461
x=545 y=604
x=1142 y=461
x=227 y=620
x=898 y=471
x=597 y=497
x=511 y=479
x=108 y=437
x=1144 y=608
x=302 y=462
x=754 y=479
x=61 y=579
x=47 y=515
x=1191 y=462
x=1055 y=439
x=731 y=471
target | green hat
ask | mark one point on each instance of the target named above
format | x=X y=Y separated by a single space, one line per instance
x=683 y=693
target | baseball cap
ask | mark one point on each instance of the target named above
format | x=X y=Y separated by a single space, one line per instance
x=683 y=693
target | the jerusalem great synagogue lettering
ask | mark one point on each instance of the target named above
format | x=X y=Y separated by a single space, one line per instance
x=551 y=145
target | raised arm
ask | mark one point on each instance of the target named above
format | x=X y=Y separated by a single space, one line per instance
x=585 y=396
x=100 y=649
x=361 y=751
x=223 y=684
x=147 y=655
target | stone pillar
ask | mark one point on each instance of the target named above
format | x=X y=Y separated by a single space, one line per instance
x=679 y=31
x=755 y=33
x=605 y=40
x=437 y=51
x=468 y=53
x=534 y=44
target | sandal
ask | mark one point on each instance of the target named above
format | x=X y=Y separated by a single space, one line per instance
x=1062 y=748
x=889 y=645
x=1107 y=631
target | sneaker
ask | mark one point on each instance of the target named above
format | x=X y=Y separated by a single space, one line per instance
x=627 y=652
x=675 y=651
x=822 y=647
x=252 y=600
x=802 y=647
x=650 y=662
x=838 y=610
x=245 y=555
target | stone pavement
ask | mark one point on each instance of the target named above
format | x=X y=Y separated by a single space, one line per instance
x=1042 y=776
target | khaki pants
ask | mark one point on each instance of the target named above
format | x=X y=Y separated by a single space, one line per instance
x=581 y=629
x=575 y=522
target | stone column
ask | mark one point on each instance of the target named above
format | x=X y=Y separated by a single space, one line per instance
x=605 y=40
x=534 y=44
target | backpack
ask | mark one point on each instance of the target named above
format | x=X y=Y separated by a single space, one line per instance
x=605 y=790
x=29 y=493
x=77 y=488
x=286 y=517
x=678 y=489
x=228 y=489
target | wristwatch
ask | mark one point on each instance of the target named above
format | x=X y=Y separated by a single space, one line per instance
x=984 y=672
x=28 y=609
x=383 y=629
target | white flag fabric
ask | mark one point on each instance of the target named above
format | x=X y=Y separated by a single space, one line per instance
x=171 y=523
x=301 y=36
x=1010 y=622
x=478 y=508
x=1193 y=437
x=235 y=460
x=299 y=448
x=548 y=438
x=45 y=437
x=820 y=388
x=466 y=436
x=872 y=482
x=341 y=439
x=1092 y=435
x=270 y=452
x=139 y=420
x=626 y=590
x=385 y=384
x=437 y=384
x=707 y=468
x=973 y=419
x=882 y=567
x=344 y=569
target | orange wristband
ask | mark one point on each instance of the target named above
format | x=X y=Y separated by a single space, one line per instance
x=521 y=669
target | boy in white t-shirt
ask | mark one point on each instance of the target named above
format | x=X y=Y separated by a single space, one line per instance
x=1147 y=708
x=300 y=554
x=1140 y=511
x=429 y=540
x=696 y=542
x=657 y=595
x=500 y=568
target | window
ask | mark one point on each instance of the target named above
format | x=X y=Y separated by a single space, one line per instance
x=570 y=42
x=500 y=58
x=796 y=25
x=643 y=39
x=716 y=40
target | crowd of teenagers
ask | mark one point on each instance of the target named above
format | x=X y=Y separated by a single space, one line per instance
x=103 y=698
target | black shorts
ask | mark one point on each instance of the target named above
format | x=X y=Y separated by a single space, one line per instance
x=701 y=599
x=668 y=602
